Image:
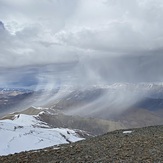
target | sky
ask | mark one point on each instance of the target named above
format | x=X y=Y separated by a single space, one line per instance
x=53 y=42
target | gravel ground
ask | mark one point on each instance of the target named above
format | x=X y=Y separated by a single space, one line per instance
x=144 y=145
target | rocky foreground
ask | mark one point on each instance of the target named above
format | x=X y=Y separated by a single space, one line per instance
x=135 y=145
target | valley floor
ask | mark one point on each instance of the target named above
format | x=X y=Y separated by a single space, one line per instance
x=135 y=145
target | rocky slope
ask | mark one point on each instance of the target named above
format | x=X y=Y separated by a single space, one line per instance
x=134 y=145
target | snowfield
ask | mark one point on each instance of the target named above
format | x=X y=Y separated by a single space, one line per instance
x=26 y=132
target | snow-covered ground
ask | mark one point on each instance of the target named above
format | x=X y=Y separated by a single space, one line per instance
x=26 y=132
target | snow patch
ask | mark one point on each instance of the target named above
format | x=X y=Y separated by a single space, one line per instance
x=26 y=133
x=127 y=132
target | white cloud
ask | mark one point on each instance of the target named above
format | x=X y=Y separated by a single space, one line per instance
x=56 y=30
x=123 y=26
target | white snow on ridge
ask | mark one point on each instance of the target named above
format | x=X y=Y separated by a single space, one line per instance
x=25 y=133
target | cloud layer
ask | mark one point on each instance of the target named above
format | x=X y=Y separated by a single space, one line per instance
x=105 y=38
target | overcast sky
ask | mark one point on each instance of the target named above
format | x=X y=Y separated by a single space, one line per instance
x=104 y=40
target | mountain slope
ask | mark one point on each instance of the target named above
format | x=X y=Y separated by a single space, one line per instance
x=138 y=117
x=56 y=119
x=134 y=145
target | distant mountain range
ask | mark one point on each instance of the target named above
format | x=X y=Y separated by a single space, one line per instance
x=86 y=111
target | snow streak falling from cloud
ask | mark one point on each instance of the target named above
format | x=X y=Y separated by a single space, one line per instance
x=99 y=41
